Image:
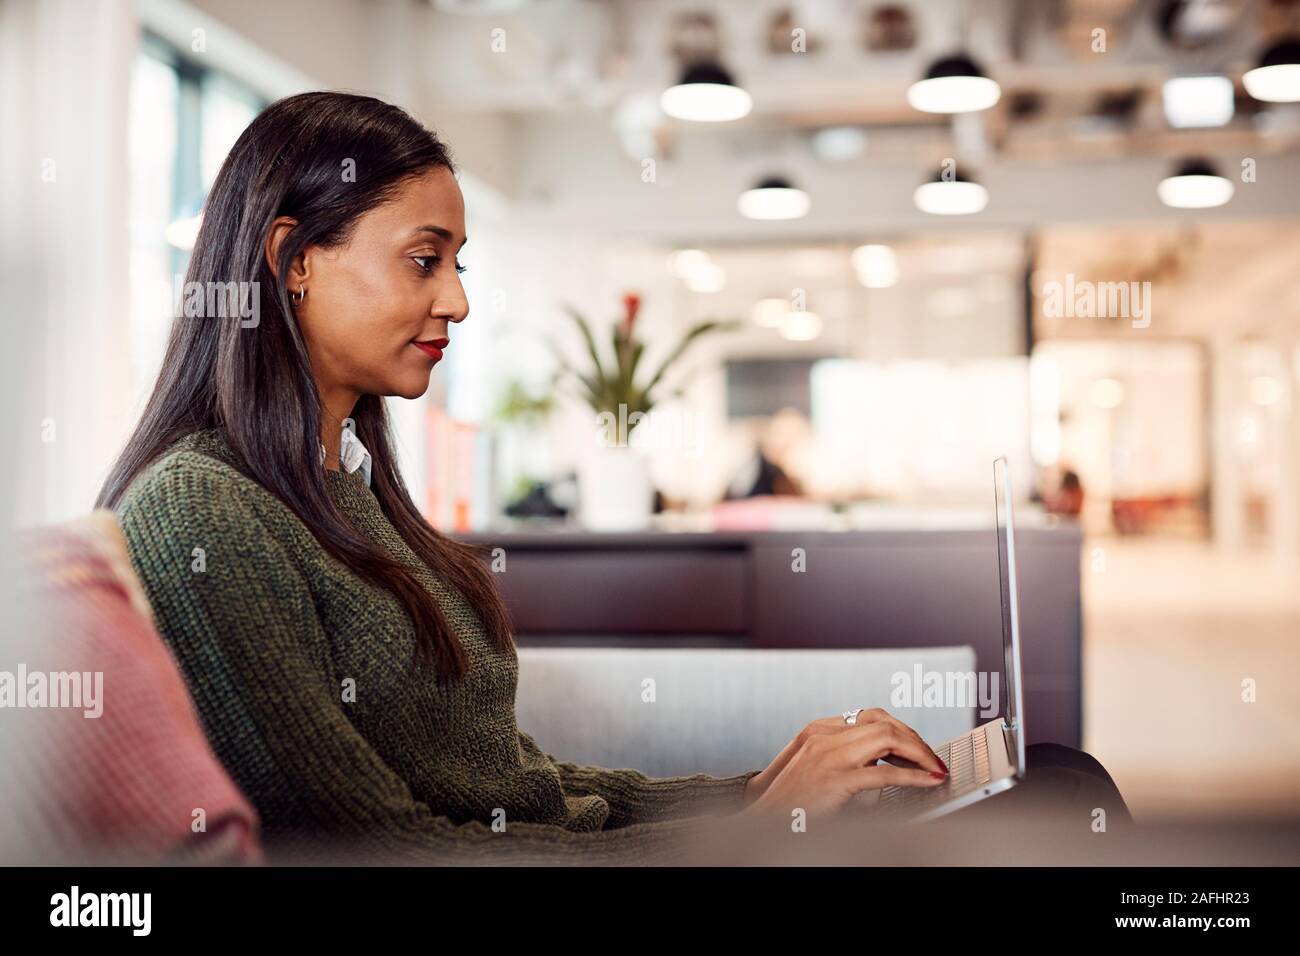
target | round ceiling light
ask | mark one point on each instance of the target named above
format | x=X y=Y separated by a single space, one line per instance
x=954 y=84
x=773 y=198
x=950 y=194
x=1196 y=184
x=1277 y=78
x=706 y=94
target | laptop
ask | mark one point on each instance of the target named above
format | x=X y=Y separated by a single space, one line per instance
x=991 y=758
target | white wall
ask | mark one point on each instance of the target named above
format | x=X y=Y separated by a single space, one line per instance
x=64 y=105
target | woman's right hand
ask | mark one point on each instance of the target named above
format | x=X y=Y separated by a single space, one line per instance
x=829 y=769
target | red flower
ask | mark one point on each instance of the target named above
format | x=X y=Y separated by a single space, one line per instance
x=631 y=304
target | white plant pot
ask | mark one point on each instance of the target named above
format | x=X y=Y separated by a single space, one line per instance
x=614 y=489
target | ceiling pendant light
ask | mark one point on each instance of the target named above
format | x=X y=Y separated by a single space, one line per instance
x=950 y=194
x=706 y=94
x=1196 y=184
x=954 y=84
x=773 y=198
x=1277 y=78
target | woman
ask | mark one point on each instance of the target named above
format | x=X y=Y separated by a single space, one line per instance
x=353 y=668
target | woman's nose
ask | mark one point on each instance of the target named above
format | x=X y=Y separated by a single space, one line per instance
x=453 y=310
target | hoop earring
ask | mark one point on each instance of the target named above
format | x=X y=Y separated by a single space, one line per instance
x=302 y=294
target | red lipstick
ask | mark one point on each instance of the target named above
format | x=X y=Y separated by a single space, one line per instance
x=433 y=347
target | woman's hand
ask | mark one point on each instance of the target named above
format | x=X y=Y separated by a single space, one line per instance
x=829 y=762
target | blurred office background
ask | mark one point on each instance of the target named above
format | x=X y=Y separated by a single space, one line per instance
x=882 y=353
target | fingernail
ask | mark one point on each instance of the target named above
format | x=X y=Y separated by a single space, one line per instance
x=943 y=765
x=937 y=776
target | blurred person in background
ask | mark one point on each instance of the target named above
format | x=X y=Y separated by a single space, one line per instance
x=1068 y=498
x=768 y=470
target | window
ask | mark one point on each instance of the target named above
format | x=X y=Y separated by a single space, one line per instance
x=183 y=120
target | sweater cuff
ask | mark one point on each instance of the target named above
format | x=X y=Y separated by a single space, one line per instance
x=720 y=794
x=742 y=800
x=635 y=798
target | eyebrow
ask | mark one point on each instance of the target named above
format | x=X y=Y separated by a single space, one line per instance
x=438 y=231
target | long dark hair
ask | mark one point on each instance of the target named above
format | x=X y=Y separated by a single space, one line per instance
x=255 y=383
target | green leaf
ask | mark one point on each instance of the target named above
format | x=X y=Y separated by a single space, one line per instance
x=637 y=350
x=567 y=372
x=691 y=335
x=628 y=353
x=608 y=386
x=590 y=341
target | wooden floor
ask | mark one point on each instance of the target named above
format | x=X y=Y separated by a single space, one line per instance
x=1171 y=631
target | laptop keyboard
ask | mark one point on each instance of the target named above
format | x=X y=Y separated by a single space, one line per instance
x=967 y=759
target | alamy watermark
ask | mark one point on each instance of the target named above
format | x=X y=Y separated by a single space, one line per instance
x=223 y=300
x=658 y=428
x=53 y=689
x=77 y=908
x=1084 y=299
x=922 y=688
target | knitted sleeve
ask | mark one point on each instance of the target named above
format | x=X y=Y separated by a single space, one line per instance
x=635 y=798
x=246 y=633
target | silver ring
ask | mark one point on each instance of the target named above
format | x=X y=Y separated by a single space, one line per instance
x=851 y=716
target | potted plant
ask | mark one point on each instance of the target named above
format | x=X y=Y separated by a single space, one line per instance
x=615 y=493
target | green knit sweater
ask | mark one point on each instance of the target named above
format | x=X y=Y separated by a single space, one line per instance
x=302 y=676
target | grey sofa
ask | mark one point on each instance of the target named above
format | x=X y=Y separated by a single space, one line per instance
x=932 y=584
x=674 y=711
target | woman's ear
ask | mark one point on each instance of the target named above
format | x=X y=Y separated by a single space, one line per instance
x=280 y=229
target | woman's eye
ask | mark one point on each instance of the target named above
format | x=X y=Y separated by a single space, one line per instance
x=426 y=263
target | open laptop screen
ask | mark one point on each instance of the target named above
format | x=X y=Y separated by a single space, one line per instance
x=1013 y=699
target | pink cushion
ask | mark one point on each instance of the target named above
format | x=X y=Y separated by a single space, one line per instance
x=140 y=780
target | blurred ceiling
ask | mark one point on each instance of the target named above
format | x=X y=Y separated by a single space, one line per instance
x=558 y=101
x=1080 y=78
x=553 y=104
